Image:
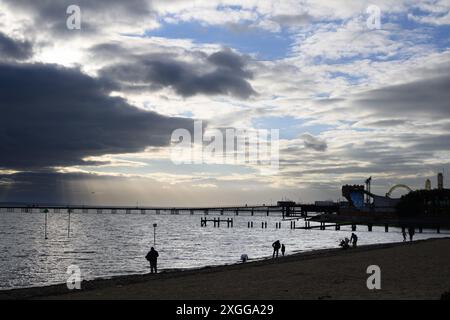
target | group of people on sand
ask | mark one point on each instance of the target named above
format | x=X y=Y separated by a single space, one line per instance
x=411 y=233
x=345 y=243
x=152 y=255
x=277 y=245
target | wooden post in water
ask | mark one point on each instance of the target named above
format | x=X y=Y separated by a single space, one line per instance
x=369 y=227
x=386 y=228
x=154 y=234
x=45 y=231
x=69 y=211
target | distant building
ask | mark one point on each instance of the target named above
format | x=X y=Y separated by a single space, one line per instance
x=425 y=202
x=440 y=181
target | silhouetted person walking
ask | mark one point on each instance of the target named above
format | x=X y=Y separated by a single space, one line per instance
x=404 y=235
x=283 y=249
x=152 y=257
x=354 y=240
x=411 y=233
x=276 y=247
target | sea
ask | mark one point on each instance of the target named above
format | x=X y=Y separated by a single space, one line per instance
x=104 y=245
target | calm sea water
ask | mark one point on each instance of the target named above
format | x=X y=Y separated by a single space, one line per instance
x=104 y=245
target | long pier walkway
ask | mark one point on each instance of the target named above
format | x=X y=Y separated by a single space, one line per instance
x=285 y=210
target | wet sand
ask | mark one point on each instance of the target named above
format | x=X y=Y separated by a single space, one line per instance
x=418 y=270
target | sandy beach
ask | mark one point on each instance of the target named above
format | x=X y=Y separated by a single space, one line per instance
x=418 y=270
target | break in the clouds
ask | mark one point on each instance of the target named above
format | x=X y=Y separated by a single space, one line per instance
x=55 y=116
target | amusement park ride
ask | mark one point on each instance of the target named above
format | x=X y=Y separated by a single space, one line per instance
x=361 y=198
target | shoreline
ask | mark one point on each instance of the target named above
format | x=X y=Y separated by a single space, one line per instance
x=111 y=287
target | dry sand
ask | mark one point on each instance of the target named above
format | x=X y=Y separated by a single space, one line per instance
x=418 y=270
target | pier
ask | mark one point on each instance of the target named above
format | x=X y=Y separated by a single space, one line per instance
x=335 y=222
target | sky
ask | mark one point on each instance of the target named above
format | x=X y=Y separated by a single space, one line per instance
x=88 y=112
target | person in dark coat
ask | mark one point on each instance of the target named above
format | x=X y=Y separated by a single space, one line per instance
x=152 y=257
x=283 y=249
x=411 y=232
x=354 y=240
x=276 y=247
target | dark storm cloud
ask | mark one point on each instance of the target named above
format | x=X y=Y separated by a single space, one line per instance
x=55 y=116
x=44 y=186
x=385 y=123
x=311 y=142
x=11 y=49
x=51 y=14
x=221 y=73
x=428 y=98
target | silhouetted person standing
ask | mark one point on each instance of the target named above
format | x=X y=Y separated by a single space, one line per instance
x=283 y=249
x=276 y=247
x=411 y=233
x=354 y=240
x=404 y=235
x=152 y=257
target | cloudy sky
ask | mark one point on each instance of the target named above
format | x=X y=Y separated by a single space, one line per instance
x=86 y=115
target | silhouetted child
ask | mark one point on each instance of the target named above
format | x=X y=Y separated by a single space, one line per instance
x=354 y=240
x=152 y=257
x=283 y=249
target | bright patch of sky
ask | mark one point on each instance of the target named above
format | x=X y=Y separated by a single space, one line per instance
x=290 y=127
x=265 y=45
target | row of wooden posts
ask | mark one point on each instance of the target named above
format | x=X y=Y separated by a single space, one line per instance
x=229 y=221
x=337 y=226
